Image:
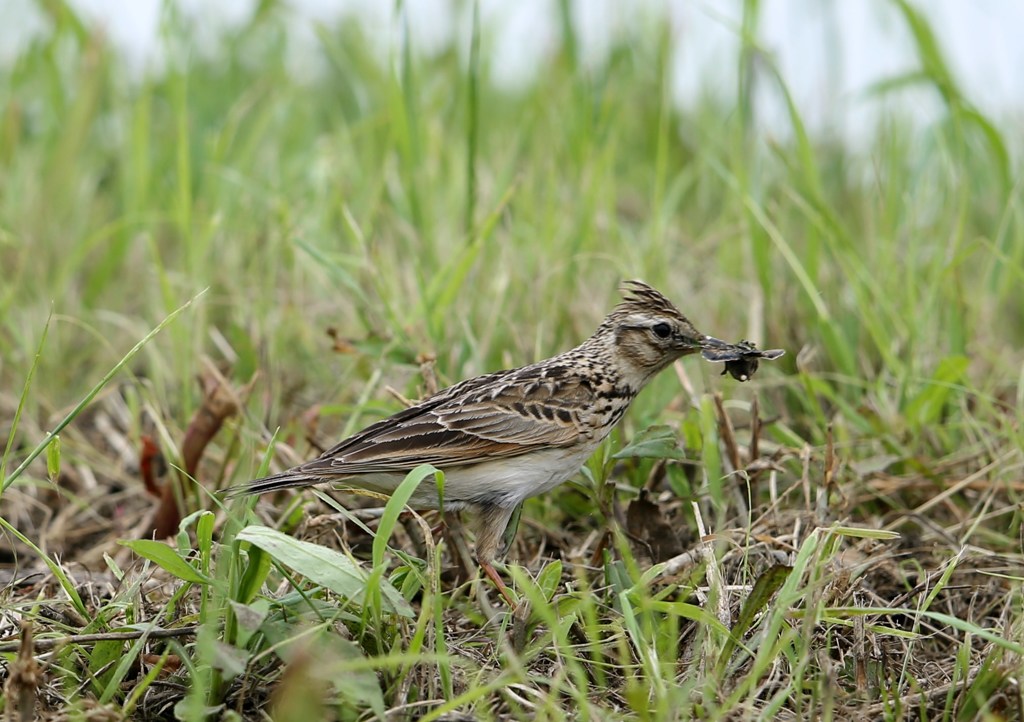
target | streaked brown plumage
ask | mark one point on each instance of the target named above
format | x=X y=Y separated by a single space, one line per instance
x=509 y=435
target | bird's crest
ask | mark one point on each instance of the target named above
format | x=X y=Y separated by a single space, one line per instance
x=638 y=297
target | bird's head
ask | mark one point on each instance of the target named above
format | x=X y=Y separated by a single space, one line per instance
x=646 y=333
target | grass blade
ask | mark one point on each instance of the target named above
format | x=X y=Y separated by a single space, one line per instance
x=51 y=435
x=21 y=401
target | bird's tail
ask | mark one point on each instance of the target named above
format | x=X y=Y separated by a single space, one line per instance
x=276 y=482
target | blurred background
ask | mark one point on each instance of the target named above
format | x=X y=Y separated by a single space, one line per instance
x=357 y=186
x=836 y=57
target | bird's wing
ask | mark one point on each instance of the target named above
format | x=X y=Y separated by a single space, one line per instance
x=490 y=417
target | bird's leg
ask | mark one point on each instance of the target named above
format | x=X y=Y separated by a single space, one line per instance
x=496 y=578
x=491 y=523
x=440 y=527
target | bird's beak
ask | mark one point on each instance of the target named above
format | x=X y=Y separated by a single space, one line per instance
x=691 y=345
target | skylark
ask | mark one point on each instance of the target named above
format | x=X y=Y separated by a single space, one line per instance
x=503 y=437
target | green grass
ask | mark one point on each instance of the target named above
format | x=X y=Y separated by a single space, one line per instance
x=417 y=211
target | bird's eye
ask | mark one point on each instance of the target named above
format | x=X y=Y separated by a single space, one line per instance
x=661 y=330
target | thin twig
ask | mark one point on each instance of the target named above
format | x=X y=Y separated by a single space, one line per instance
x=755 y=430
x=912 y=701
x=44 y=645
x=725 y=430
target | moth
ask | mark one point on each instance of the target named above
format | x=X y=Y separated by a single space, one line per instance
x=740 y=359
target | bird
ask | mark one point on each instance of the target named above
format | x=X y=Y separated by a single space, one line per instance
x=506 y=436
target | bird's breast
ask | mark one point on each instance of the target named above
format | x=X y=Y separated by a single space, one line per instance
x=507 y=482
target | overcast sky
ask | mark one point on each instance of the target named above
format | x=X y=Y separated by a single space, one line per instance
x=830 y=51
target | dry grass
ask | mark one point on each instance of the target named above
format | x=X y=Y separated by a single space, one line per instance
x=871 y=611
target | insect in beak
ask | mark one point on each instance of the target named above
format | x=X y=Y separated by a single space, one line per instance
x=741 y=359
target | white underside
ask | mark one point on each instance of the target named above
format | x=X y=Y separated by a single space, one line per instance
x=502 y=482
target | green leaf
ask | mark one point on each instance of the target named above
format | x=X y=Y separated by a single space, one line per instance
x=168 y=559
x=616 y=575
x=127 y=661
x=204 y=539
x=549 y=579
x=102 y=662
x=351 y=681
x=765 y=586
x=654 y=442
x=862 y=532
x=249 y=618
x=395 y=506
x=710 y=454
x=113 y=567
x=927 y=407
x=691 y=612
x=323 y=566
x=255 y=574
x=53 y=459
x=399 y=498
x=229 y=659
x=184 y=543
